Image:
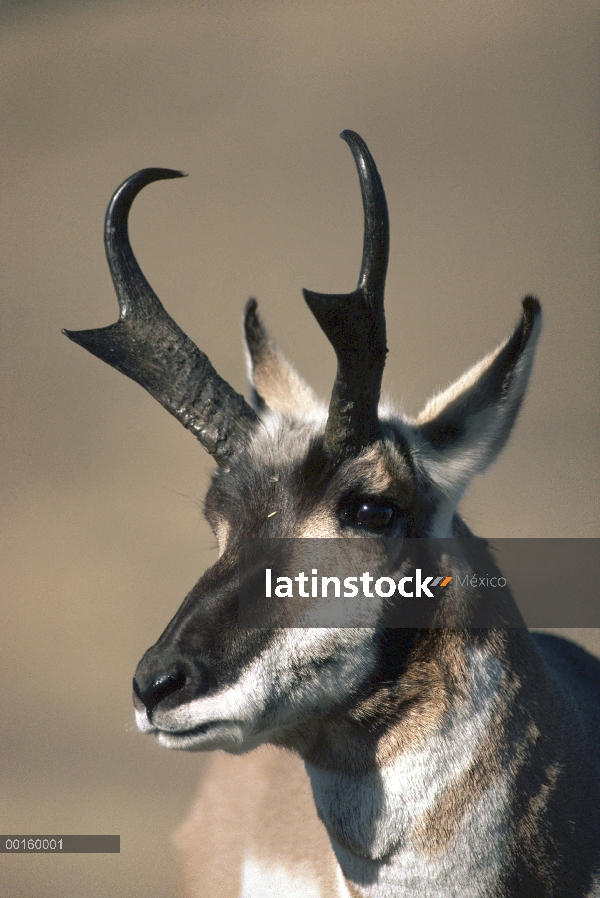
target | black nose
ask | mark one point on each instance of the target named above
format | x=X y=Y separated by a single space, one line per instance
x=154 y=691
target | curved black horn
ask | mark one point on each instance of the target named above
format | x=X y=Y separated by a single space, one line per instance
x=354 y=323
x=148 y=346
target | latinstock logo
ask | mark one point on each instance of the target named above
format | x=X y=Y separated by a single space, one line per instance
x=409 y=587
x=411 y=582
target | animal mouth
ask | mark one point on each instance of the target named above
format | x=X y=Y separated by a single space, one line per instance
x=199 y=730
x=209 y=735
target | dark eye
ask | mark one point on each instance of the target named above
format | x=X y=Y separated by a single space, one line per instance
x=369 y=514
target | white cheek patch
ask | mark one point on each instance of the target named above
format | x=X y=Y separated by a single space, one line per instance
x=301 y=670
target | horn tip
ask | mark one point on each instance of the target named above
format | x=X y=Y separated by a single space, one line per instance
x=313 y=300
x=160 y=174
x=352 y=138
x=100 y=341
x=79 y=337
x=72 y=335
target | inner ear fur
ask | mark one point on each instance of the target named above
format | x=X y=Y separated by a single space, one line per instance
x=275 y=384
x=471 y=420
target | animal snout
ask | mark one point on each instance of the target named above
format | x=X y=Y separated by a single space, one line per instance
x=157 y=682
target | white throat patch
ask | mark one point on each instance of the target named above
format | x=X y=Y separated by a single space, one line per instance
x=372 y=817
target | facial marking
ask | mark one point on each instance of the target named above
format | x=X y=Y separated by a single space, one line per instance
x=300 y=672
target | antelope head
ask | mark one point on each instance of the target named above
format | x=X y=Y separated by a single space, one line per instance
x=288 y=466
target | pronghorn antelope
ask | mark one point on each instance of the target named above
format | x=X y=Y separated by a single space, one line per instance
x=443 y=761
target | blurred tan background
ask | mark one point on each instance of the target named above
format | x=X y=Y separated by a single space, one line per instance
x=482 y=116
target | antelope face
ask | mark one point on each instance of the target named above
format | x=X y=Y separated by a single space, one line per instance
x=208 y=683
x=289 y=467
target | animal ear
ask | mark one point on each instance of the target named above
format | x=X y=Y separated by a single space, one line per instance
x=274 y=382
x=462 y=430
